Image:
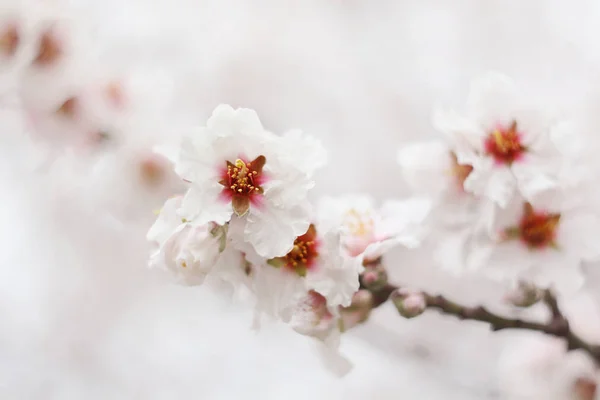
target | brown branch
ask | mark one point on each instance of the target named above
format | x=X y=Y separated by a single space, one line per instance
x=557 y=326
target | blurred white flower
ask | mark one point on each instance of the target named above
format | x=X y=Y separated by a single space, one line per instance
x=458 y=219
x=539 y=367
x=534 y=366
x=239 y=170
x=369 y=231
x=505 y=139
x=190 y=253
x=546 y=240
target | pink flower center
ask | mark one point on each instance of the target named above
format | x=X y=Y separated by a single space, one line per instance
x=505 y=144
x=242 y=181
x=537 y=229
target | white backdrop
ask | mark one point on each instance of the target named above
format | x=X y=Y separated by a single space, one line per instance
x=81 y=317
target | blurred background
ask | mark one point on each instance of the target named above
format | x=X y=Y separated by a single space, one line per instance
x=82 y=317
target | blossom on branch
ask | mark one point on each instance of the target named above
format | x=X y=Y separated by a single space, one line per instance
x=506 y=140
x=239 y=171
x=371 y=232
x=189 y=252
x=458 y=218
x=546 y=240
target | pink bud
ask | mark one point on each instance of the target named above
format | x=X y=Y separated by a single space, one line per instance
x=370 y=277
x=362 y=298
x=409 y=303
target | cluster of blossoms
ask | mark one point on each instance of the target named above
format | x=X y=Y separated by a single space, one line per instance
x=513 y=198
x=246 y=219
x=82 y=110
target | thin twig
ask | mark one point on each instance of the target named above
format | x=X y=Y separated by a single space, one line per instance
x=557 y=326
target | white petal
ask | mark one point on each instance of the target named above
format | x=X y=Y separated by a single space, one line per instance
x=196 y=159
x=578 y=235
x=230 y=267
x=450 y=251
x=304 y=152
x=378 y=249
x=276 y=290
x=203 y=205
x=272 y=231
x=495 y=182
x=533 y=175
x=336 y=276
x=226 y=121
x=333 y=360
x=167 y=222
x=509 y=261
x=465 y=136
x=404 y=220
x=563 y=275
x=333 y=211
x=287 y=188
x=493 y=99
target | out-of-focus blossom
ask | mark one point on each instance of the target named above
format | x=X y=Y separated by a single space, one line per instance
x=371 y=232
x=458 y=219
x=504 y=138
x=534 y=366
x=545 y=241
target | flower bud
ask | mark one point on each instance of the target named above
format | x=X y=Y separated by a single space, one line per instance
x=374 y=278
x=524 y=295
x=362 y=299
x=409 y=303
x=358 y=311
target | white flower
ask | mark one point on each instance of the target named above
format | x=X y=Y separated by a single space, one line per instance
x=547 y=239
x=458 y=218
x=237 y=170
x=317 y=262
x=191 y=252
x=334 y=274
x=539 y=367
x=370 y=232
x=505 y=139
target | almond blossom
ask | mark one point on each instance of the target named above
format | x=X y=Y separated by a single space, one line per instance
x=189 y=252
x=547 y=239
x=458 y=219
x=239 y=171
x=369 y=231
x=318 y=262
x=505 y=138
